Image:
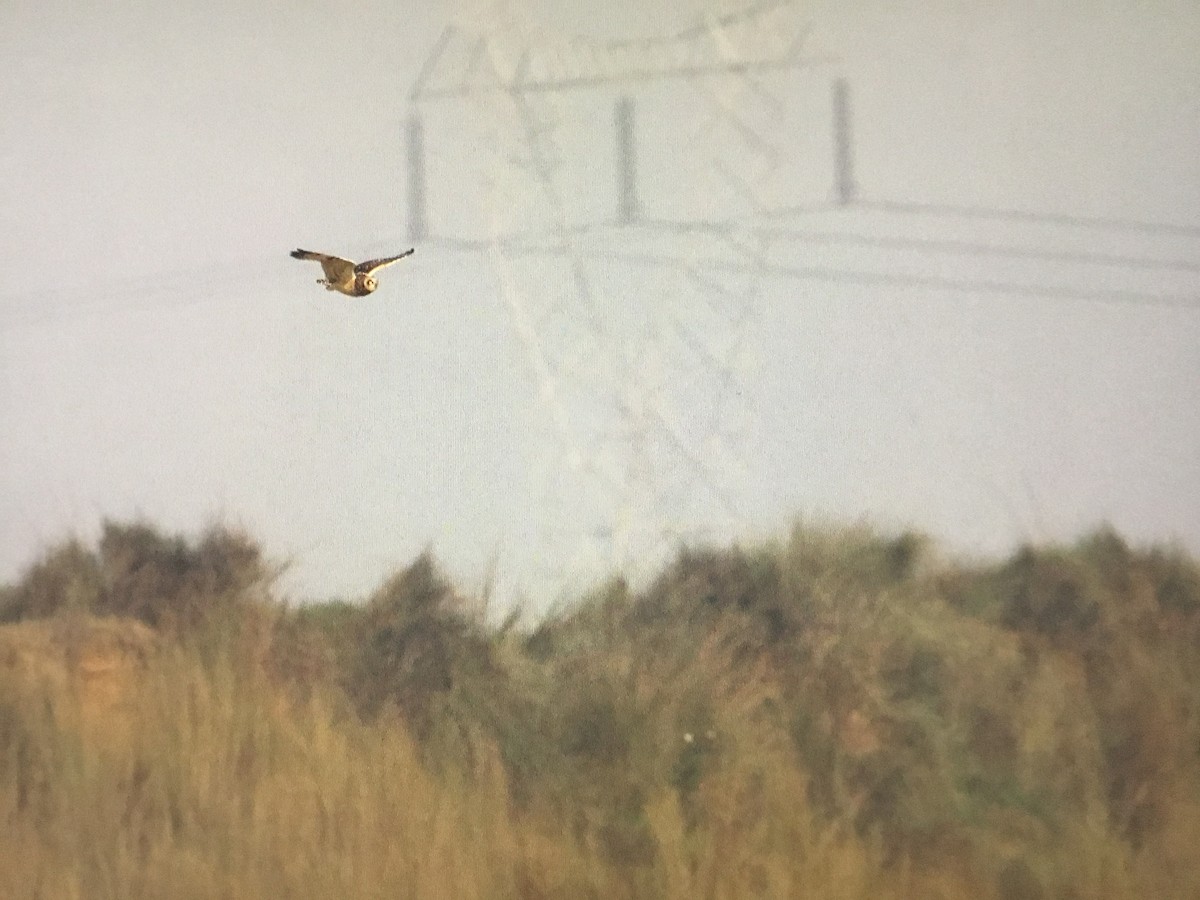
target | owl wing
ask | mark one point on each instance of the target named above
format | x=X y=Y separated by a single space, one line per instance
x=337 y=270
x=372 y=265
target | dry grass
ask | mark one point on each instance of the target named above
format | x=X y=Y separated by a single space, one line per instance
x=840 y=715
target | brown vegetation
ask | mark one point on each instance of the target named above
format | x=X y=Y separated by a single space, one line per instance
x=839 y=715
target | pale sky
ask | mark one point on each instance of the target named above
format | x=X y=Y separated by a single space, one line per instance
x=161 y=356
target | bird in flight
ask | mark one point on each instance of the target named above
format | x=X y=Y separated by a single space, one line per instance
x=344 y=276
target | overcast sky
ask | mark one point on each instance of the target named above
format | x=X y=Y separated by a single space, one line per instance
x=161 y=356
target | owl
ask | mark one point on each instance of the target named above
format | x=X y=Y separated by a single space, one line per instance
x=344 y=276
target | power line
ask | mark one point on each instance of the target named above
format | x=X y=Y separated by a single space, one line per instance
x=936 y=282
x=533 y=243
x=950 y=246
x=180 y=288
x=582 y=82
x=986 y=212
x=868 y=278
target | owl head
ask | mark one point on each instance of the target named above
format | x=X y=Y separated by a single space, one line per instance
x=368 y=283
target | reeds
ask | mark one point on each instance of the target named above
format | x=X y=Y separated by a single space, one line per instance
x=838 y=715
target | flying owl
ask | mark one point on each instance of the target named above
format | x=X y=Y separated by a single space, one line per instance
x=344 y=276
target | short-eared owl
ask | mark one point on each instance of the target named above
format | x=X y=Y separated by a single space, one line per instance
x=344 y=276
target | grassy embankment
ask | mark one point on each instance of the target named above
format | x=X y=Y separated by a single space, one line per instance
x=839 y=715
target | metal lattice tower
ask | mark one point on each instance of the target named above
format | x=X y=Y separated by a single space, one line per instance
x=640 y=371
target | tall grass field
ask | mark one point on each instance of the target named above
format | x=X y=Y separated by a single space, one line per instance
x=838 y=714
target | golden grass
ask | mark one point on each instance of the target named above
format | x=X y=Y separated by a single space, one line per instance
x=225 y=788
x=221 y=785
x=837 y=716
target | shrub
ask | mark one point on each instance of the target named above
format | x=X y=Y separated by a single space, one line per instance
x=68 y=577
x=168 y=583
x=421 y=655
x=163 y=581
